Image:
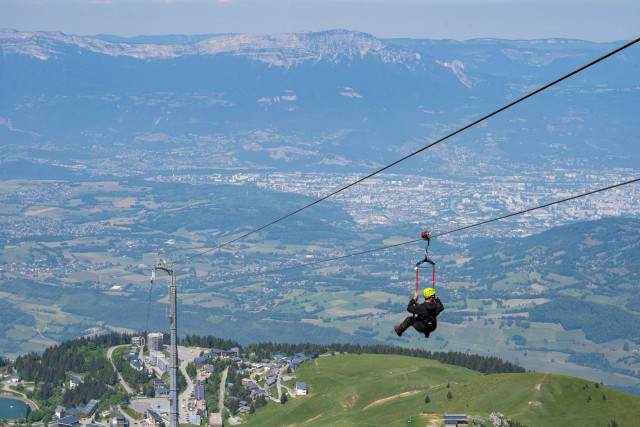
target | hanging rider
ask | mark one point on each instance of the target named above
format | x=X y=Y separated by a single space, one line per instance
x=424 y=314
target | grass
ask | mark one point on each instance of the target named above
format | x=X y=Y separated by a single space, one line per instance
x=573 y=335
x=343 y=388
x=10 y=393
x=133 y=414
x=311 y=295
x=387 y=390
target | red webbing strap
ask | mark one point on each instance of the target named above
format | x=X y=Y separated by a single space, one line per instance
x=416 y=279
x=434 y=277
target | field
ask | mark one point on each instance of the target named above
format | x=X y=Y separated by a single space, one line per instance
x=505 y=298
x=384 y=390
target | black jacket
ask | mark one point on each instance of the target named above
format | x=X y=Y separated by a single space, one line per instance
x=426 y=310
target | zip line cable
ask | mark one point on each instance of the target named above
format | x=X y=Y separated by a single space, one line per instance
x=566 y=76
x=434 y=235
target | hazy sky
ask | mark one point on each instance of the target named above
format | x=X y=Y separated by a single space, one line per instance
x=594 y=20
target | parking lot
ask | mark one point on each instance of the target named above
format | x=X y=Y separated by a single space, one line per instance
x=158 y=404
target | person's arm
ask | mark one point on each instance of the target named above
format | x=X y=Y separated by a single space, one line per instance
x=413 y=301
x=439 y=306
x=419 y=309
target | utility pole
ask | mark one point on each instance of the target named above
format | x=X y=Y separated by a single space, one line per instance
x=174 y=415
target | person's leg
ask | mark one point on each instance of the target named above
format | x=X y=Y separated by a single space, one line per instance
x=430 y=327
x=404 y=325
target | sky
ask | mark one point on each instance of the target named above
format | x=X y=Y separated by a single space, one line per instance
x=593 y=20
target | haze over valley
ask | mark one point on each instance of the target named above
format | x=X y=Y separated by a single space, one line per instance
x=113 y=150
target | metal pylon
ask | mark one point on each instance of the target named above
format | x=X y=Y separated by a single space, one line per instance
x=174 y=414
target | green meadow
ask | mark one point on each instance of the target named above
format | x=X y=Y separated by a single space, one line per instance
x=389 y=390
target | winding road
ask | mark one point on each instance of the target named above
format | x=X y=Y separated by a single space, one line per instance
x=23 y=398
x=109 y=353
x=223 y=387
x=184 y=397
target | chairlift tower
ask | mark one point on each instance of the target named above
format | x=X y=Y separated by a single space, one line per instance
x=174 y=415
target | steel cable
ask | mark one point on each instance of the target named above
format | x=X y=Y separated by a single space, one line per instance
x=566 y=76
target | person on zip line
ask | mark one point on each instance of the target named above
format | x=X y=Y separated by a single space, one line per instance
x=424 y=314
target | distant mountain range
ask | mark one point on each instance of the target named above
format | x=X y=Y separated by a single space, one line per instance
x=333 y=100
x=275 y=50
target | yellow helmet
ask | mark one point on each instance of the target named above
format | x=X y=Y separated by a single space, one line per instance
x=429 y=292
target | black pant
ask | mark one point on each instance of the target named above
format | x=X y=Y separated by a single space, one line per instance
x=423 y=326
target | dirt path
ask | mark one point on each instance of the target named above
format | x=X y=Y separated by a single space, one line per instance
x=539 y=386
x=386 y=399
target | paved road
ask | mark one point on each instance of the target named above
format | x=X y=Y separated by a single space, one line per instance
x=280 y=386
x=223 y=387
x=109 y=353
x=132 y=422
x=186 y=355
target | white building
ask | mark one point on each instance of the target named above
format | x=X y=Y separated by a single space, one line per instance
x=154 y=341
x=139 y=341
x=301 y=388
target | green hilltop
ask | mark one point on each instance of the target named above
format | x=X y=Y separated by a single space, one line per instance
x=390 y=390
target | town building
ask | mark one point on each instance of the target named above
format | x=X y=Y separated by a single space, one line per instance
x=139 y=341
x=162 y=391
x=90 y=409
x=301 y=388
x=74 y=411
x=198 y=391
x=152 y=418
x=453 y=420
x=155 y=341
x=158 y=359
x=215 y=419
x=68 y=422
x=119 y=421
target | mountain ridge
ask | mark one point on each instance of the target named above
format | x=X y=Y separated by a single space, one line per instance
x=277 y=50
x=354 y=99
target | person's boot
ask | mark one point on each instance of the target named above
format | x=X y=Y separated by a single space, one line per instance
x=398 y=330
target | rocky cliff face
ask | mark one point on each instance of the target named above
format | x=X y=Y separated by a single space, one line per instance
x=335 y=98
x=276 y=50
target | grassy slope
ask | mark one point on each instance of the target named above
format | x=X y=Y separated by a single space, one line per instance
x=343 y=389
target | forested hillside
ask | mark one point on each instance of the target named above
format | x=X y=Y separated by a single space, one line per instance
x=50 y=372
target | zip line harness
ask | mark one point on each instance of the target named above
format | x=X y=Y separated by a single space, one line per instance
x=426 y=262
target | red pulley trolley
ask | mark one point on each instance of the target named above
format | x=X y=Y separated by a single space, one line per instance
x=426 y=262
